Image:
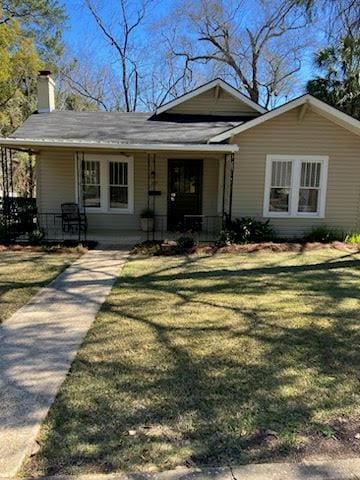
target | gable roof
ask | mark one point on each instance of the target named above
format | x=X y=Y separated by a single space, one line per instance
x=332 y=113
x=117 y=130
x=119 y=127
x=238 y=96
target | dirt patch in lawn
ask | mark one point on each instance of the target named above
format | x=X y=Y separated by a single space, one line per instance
x=341 y=438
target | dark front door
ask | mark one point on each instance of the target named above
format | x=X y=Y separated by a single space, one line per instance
x=185 y=191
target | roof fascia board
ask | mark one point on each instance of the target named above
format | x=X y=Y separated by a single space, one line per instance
x=338 y=117
x=204 y=88
x=321 y=107
x=24 y=142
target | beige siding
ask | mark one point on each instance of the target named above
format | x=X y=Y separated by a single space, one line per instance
x=314 y=135
x=56 y=184
x=207 y=104
x=55 y=180
x=210 y=187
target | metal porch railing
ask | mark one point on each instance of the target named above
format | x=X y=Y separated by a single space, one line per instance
x=37 y=227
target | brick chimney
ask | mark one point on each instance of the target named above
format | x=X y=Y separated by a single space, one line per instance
x=46 y=92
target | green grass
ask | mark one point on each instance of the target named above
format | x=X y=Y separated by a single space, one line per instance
x=193 y=360
x=23 y=273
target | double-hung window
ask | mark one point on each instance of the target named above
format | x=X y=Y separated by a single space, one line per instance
x=91 y=183
x=118 y=184
x=295 y=186
x=107 y=184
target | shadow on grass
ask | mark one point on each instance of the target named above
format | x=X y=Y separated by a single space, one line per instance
x=210 y=364
x=23 y=274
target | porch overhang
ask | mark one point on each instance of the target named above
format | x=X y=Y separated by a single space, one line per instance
x=28 y=143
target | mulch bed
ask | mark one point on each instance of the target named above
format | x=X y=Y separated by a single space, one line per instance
x=276 y=247
x=64 y=247
x=158 y=249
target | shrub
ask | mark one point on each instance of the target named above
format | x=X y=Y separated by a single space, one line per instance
x=147 y=213
x=148 y=247
x=36 y=236
x=325 y=234
x=185 y=243
x=246 y=230
x=352 y=237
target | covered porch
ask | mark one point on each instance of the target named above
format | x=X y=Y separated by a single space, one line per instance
x=188 y=191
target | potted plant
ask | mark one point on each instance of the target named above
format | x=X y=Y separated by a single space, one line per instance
x=147 y=220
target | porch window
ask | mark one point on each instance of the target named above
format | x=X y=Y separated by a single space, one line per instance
x=119 y=188
x=295 y=186
x=91 y=179
x=107 y=183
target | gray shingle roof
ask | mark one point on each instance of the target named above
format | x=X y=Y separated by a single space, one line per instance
x=121 y=128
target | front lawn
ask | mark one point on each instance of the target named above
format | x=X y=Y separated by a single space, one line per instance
x=214 y=360
x=23 y=273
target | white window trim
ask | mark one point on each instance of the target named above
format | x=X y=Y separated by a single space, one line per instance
x=105 y=183
x=295 y=187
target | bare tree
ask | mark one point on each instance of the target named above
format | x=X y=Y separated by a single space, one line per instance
x=84 y=80
x=340 y=17
x=120 y=39
x=125 y=77
x=260 y=52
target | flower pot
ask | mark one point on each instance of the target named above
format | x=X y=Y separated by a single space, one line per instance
x=147 y=224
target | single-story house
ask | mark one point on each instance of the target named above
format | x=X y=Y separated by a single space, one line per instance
x=209 y=153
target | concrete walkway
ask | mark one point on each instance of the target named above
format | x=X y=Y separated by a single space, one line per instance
x=38 y=344
x=320 y=470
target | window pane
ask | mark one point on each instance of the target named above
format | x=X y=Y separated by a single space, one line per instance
x=124 y=173
x=310 y=174
x=308 y=200
x=281 y=174
x=118 y=197
x=91 y=172
x=91 y=183
x=91 y=196
x=118 y=173
x=279 y=200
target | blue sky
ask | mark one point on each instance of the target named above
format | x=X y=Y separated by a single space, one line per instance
x=82 y=35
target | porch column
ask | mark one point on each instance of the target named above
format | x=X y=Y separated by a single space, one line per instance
x=232 y=159
x=7 y=188
x=227 y=194
x=224 y=191
x=151 y=165
x=31 y=186
x=7 y=185
x=79 y=164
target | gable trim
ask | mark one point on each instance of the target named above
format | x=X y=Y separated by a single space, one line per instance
x=322 y=108
x=208 y=86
